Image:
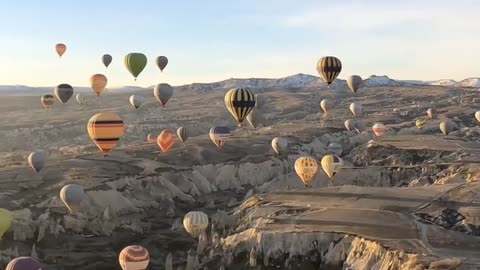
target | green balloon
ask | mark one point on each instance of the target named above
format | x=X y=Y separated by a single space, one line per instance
x=135 y=63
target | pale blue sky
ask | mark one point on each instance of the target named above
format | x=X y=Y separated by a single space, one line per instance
x=211 y=40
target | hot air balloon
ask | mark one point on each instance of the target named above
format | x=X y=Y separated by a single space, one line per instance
x=72 y=195
x=24 y=263
x=239 y=102
x=195 y=223
x=359 y=125
x=136 y=101
x=163 y=92
x=134 y=258
x=98 y=83
x=106 y=60
x=279 y=145
x=135 y=63
x=349 y=124
x=47 y=101
x=378 y=129
x=335 y=149
x=251 y=119
x=356 y=108
x=165 y=140
x=218 y=135
x=326 y=105
x=477 y=116
x=105 y=129
x=354 y=82
x=80 y=98
x=328 y=67
x=6 y=218
x=306 y=168
x=37 y=161
x=182 y=133
x=161 y=62
x=331 y=164
x=60 y=48
x=63 y=92
x=448 y=126
x=430 y=112
x=420 y=122
x=151 y=138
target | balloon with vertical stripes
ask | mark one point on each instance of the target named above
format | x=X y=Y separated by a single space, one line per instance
x=105 y=129
x=195 y=223
x=328 y=67
x=239 y=102
x=182 y=134
x=306 y=168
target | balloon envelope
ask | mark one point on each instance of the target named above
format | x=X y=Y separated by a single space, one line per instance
x=279 y=145
x=477 y=116
x=72 y=195
x=134 y=258
x=239 y=102
x=182 y=133
x=24 y=263
x=218 y=135
x=420 y=123
x=161 y=62
x=195 y=223
x=80 y=98
x=326 y=104
x=356 y=108
x=328 y=67
x=165 y=140
x=47 y=101
x=378 y=129
x=430 y=112
x=354 y=82
x=448 y=126
x=60 y=48
x=37 y=161
x=135 y=63
x=151 y=138
x=163 y=92
x=63 y=92
x=306 y=168
x=105 y=129
x=331 y=164
x=136 y=101
x=349 y=124
x=98 y=82
x=6 y=218
x=106 y=59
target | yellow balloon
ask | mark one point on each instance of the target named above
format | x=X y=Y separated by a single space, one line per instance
x=98 y=83
x=331 y=164
x=6 y=218
x=306 y=168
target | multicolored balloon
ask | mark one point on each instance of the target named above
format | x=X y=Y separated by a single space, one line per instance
x=134 y=258
x=239 y=102
x=47 y=101
x=328 y=67
x=105 y=129
x=218 y=135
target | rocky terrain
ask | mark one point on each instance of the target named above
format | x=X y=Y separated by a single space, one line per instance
x=410 y=200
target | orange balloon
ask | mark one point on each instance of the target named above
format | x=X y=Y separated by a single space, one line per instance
x=98 y=83
x=165 y=140
x=60 y=48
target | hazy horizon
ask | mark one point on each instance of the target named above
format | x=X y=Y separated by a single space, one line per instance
x=213 y=41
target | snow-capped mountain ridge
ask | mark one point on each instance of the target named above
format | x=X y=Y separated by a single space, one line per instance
x=296 y=81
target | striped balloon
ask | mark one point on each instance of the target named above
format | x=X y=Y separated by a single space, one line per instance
x=24 y=263
x=306 y=168
x=105 y=129
x=420 y=123
x=134 y=258
x=47 y=101
x=195 y=223
x=182 y=133
x=165 y=140
x=72 y=195
x=378 y=129
x=239 y=102
x=328 y=67
x=218 y=135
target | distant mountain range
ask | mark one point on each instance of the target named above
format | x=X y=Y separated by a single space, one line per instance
x=290 y=82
